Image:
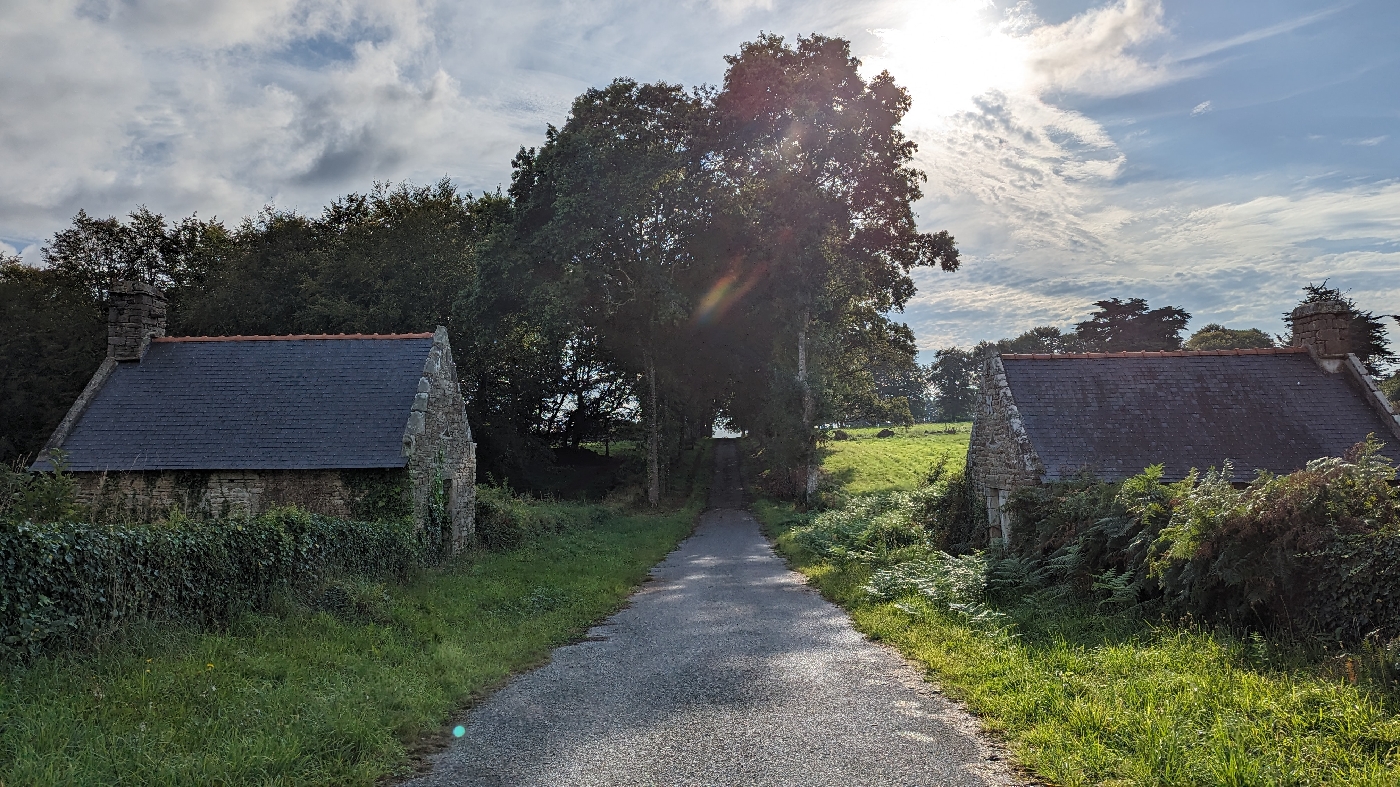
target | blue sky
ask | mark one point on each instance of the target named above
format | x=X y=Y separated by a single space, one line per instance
x=1209 y=155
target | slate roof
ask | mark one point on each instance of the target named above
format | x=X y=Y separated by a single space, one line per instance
x=1116 y=414
x=254 y=403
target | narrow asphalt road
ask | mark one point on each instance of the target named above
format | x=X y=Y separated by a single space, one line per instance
x=725 y=670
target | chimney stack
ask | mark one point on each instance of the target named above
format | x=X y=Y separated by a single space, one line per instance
x=1325 y=328
x=136 y=314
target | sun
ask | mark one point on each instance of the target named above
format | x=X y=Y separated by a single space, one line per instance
x=948 y=52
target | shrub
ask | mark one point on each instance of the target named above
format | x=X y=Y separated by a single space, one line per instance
x=1086 y=538
x=68 y=583
x=877 y=529
x=39 y=497
x=1295 y=551
x=1311 y=552
x=943 y=507
x=505 y=521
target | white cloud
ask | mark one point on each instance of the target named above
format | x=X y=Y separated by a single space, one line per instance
x=222 y=106
x=1369 y=142
x=1093 y=52
x=1200 y=109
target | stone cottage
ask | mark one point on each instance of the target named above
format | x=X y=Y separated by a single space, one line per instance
x=1042 y=418
x=343 y=425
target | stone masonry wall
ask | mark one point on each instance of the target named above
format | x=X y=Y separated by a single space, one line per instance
x=438 y=445
x=1000 y=456
x=152 y=495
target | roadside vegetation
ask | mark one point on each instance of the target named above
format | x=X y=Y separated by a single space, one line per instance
x=340 y=681
x=1143 y=633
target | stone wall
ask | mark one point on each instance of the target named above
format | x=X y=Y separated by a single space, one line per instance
x=152 y=495
x=438 y=445
x=1000 y=457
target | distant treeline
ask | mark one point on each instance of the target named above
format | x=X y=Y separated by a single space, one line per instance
x=1130 y=325
x=664 y=257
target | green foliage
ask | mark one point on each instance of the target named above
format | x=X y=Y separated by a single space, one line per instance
x=875 y=529
x=1217 y=337
x=1129 y=325
x=893 y=527
x=53 y=335
x=943 y=507
x=954 y=379
x=1041 y=339
x=956 y=585
x=1307 y=553
x=1058 y=643
x=341 y=690
x=506 y=521
x=67 y=584
x=39 y=497
x=1390 y=386
x=378 y=495
x=1292 y=551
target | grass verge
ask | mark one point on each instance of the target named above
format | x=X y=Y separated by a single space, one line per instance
x=310 y=697
x=869 y=464
x=1089 y=699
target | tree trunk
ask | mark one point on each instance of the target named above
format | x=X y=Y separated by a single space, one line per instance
x=809 y=406
x=653 y=435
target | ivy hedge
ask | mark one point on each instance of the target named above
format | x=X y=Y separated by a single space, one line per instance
x=69 y=583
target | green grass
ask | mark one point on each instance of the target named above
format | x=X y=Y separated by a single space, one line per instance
x=1083 y=698
x=307 y=698
x=872 y=464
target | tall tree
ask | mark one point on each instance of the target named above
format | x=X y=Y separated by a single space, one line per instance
x=953 y=375
x=1130 y=325
x=615 y=201
x=813 y=154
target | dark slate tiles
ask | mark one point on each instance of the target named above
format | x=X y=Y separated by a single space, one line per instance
x=298 y=404
x=1115 y=416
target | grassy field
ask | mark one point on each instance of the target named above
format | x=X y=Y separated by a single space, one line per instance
x=872 y=464
x=1087 y=698
x=310 y=698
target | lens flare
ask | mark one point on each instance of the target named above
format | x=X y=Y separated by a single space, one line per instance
x=723 y=294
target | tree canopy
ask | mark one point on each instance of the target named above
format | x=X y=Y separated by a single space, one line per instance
x=1121 y=326
x=1217 y=337
x=664 y=256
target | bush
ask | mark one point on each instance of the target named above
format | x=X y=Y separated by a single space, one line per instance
x=943 y=508
x=1298 y=551
x=69 y=583
x=1311 y=552
x=505 y=521
x=876 y=529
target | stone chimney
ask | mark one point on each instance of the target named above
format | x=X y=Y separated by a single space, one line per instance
x=136 y=314
x=1325 y=329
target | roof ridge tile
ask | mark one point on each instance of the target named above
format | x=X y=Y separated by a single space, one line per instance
x=1142 y=354
x=292 y=337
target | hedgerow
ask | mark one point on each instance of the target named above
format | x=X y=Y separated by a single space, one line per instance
x=71 y=583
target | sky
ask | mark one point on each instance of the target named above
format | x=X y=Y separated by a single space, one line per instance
x=1210 y=155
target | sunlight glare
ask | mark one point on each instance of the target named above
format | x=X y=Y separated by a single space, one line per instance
x=948 y=52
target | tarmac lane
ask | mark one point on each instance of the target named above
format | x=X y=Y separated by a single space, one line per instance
x=726 y=669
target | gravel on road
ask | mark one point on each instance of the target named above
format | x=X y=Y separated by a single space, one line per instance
x=726 y=669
